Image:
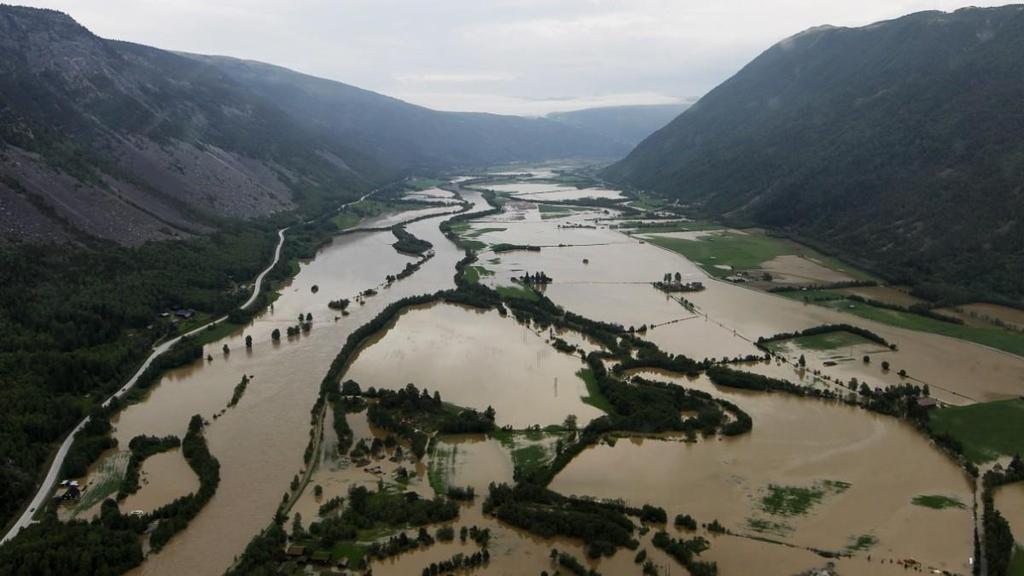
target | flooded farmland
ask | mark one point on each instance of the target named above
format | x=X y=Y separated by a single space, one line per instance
x=476 y=359
x=848 y=457
x=859 y=472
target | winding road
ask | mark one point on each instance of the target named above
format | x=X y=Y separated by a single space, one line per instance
x=43 y=493
x=58 y=461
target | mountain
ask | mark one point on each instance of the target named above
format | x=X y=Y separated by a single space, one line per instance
x=118 y=141
x=410 y=135
x=896 y=144
x=628 y=125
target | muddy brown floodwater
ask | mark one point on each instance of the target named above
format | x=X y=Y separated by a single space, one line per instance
x=958 y=372
x=260 y=442
x=1009 y=501
x=881 y=462
x=860 y=470
x=476 y=359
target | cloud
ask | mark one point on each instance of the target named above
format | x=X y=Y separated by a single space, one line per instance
x=524 y=56
x=454 y=78
x=527 y=106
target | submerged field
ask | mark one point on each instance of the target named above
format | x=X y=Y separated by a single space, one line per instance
x=812 y=481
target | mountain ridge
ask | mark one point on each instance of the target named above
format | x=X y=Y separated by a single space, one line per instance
x=869 y=142
x=113 y=140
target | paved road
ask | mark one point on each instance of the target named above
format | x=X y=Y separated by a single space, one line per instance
x=58 y=461
x=51 y=475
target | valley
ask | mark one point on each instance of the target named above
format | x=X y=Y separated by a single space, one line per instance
x=816 y=481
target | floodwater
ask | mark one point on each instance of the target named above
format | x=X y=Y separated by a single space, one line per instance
x=795 y=442
x=957 y=371
x=476 y=359
x=164 y=477
x=260 y=442
x=1009 y=501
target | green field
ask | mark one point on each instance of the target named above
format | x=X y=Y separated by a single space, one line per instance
x=517 y=292
x=993 y=336
x=826 y=341
x=594 y=396
x=423 y=183
x=551 y=211
x=345 y=220
x=472 y=274
x=639 y=227
x=216 y=332
x=987 y=431
x=733 y=249
x=1017 y=563
x=798 y=500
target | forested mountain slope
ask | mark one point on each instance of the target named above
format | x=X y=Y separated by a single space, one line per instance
x=130 y=143
x=410 y=135
x=107 y=139
x=897 y=144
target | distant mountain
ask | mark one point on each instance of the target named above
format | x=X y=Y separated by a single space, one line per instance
x=628 y=125
x=107 y=139
x=898 y=144
x=410 y=135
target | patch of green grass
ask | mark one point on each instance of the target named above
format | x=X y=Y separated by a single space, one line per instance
x=594 y=396
x=530 y=458
x=423 y=183
x=478 y=231
x=937 y=501
x=354 y=552
x=517 y=292
x=677 y=226
x=826 y=341
x=474 y=245
x=197 y=320
x=992 y=336
x=861 y=543
x=345 y=220
x=441 y=465
x=798 y=500
x=216 y=332
x=548 y=211
x=987 y=430
x=472 y=274
x=739 y=251
x=1017 y=563
x=106 y=480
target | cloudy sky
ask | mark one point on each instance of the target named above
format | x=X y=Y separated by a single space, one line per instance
x=510 y=56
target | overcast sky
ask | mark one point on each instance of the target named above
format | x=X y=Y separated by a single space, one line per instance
x=509 y=56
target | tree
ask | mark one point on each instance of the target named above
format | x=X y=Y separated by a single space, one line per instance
x=309 y=316
x=226 y=349
x=570 y=422
x=802 y=361
x=679 y=277
x=885 y=365
x=867 y=359
x=248 y=341
x=276 y=335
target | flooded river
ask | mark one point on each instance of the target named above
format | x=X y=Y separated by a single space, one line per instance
x=862 y=470
x=260 y=442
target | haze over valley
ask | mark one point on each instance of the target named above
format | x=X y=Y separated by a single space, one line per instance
x=660 y=303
